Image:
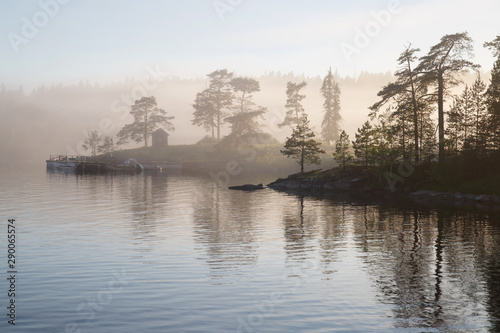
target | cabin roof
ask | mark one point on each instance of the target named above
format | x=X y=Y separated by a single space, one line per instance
x=160 y=131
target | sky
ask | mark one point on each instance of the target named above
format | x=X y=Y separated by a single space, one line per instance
x=67 y=41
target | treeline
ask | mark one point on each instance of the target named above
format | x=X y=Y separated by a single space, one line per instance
x=51 y=118
x=402 y=126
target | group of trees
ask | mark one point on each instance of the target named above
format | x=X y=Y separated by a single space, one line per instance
x=98 y=143
x=148 y=117
x=229 y=99
x=301 y=145
x=401 y=125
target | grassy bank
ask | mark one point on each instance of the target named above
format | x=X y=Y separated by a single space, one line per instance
x=252 y=159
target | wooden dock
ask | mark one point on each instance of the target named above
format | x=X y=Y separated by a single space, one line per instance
x=85 y=164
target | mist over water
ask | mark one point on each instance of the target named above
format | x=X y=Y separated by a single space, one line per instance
x=244 y=83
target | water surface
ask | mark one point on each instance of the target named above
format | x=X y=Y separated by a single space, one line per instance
x=176 y=253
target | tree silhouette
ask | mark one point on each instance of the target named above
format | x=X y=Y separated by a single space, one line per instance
x=342 y=154
x=440 y=66
x=301 y=145
x=293 y=106
x=92 y=141
x=212 y=103
x=493 y=95
x=244 y=125
x=364 y=143
x=107 y=145
x=330 y=90
x=147 y=118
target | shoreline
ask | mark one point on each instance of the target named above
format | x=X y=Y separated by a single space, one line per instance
x=360 y=187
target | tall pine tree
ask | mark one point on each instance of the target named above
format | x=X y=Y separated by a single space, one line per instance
x=493 y=96
x=212 y=104
x=330 y=127
x=293 y=106
x=441 y=65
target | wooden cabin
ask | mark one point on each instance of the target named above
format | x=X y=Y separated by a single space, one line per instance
x=160 y=138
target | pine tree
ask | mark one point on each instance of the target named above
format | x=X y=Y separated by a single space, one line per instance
x=302 y=146
x=330 y=90
x=443 y=62
x=493 y=96
x=427 y=133
x=211 y=104
x=342 y=154
x=454 y=133
x=385 y=135
x=364 y=144
x=480 y=116
x=205 y=113
x=293 y=106
x=107 y=145
x=409 y=93
x=147 y=118
x=244 y=125
x=92 y=141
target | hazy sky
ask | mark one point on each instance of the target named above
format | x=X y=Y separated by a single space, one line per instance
x=52 y=41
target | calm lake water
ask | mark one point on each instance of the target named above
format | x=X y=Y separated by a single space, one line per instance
x=176 y=253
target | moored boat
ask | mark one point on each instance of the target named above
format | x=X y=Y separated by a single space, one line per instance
x=84 y=164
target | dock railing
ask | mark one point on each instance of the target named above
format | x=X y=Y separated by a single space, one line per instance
x=68 y=158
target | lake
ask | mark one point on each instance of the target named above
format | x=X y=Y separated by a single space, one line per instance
x=176 y=253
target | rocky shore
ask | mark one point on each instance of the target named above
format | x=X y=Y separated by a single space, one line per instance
x=457 y=199
x=358 y=183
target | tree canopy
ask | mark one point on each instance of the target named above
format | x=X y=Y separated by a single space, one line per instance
x=92 y=141
x=148 y=117
x=440 y=66
x=212 y=104
x=302 y=146
x=342 y=153
x=330 y=126
x=293 y=106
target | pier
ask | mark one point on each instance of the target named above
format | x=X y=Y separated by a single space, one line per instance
x=85 y=164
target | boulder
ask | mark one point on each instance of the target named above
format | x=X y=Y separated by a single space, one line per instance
x=247 y=187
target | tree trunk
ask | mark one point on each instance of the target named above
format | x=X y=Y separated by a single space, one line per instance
x=415 y=112
x=146 y=129
x=218 y=124
x=302 y=161
x=441 y=115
